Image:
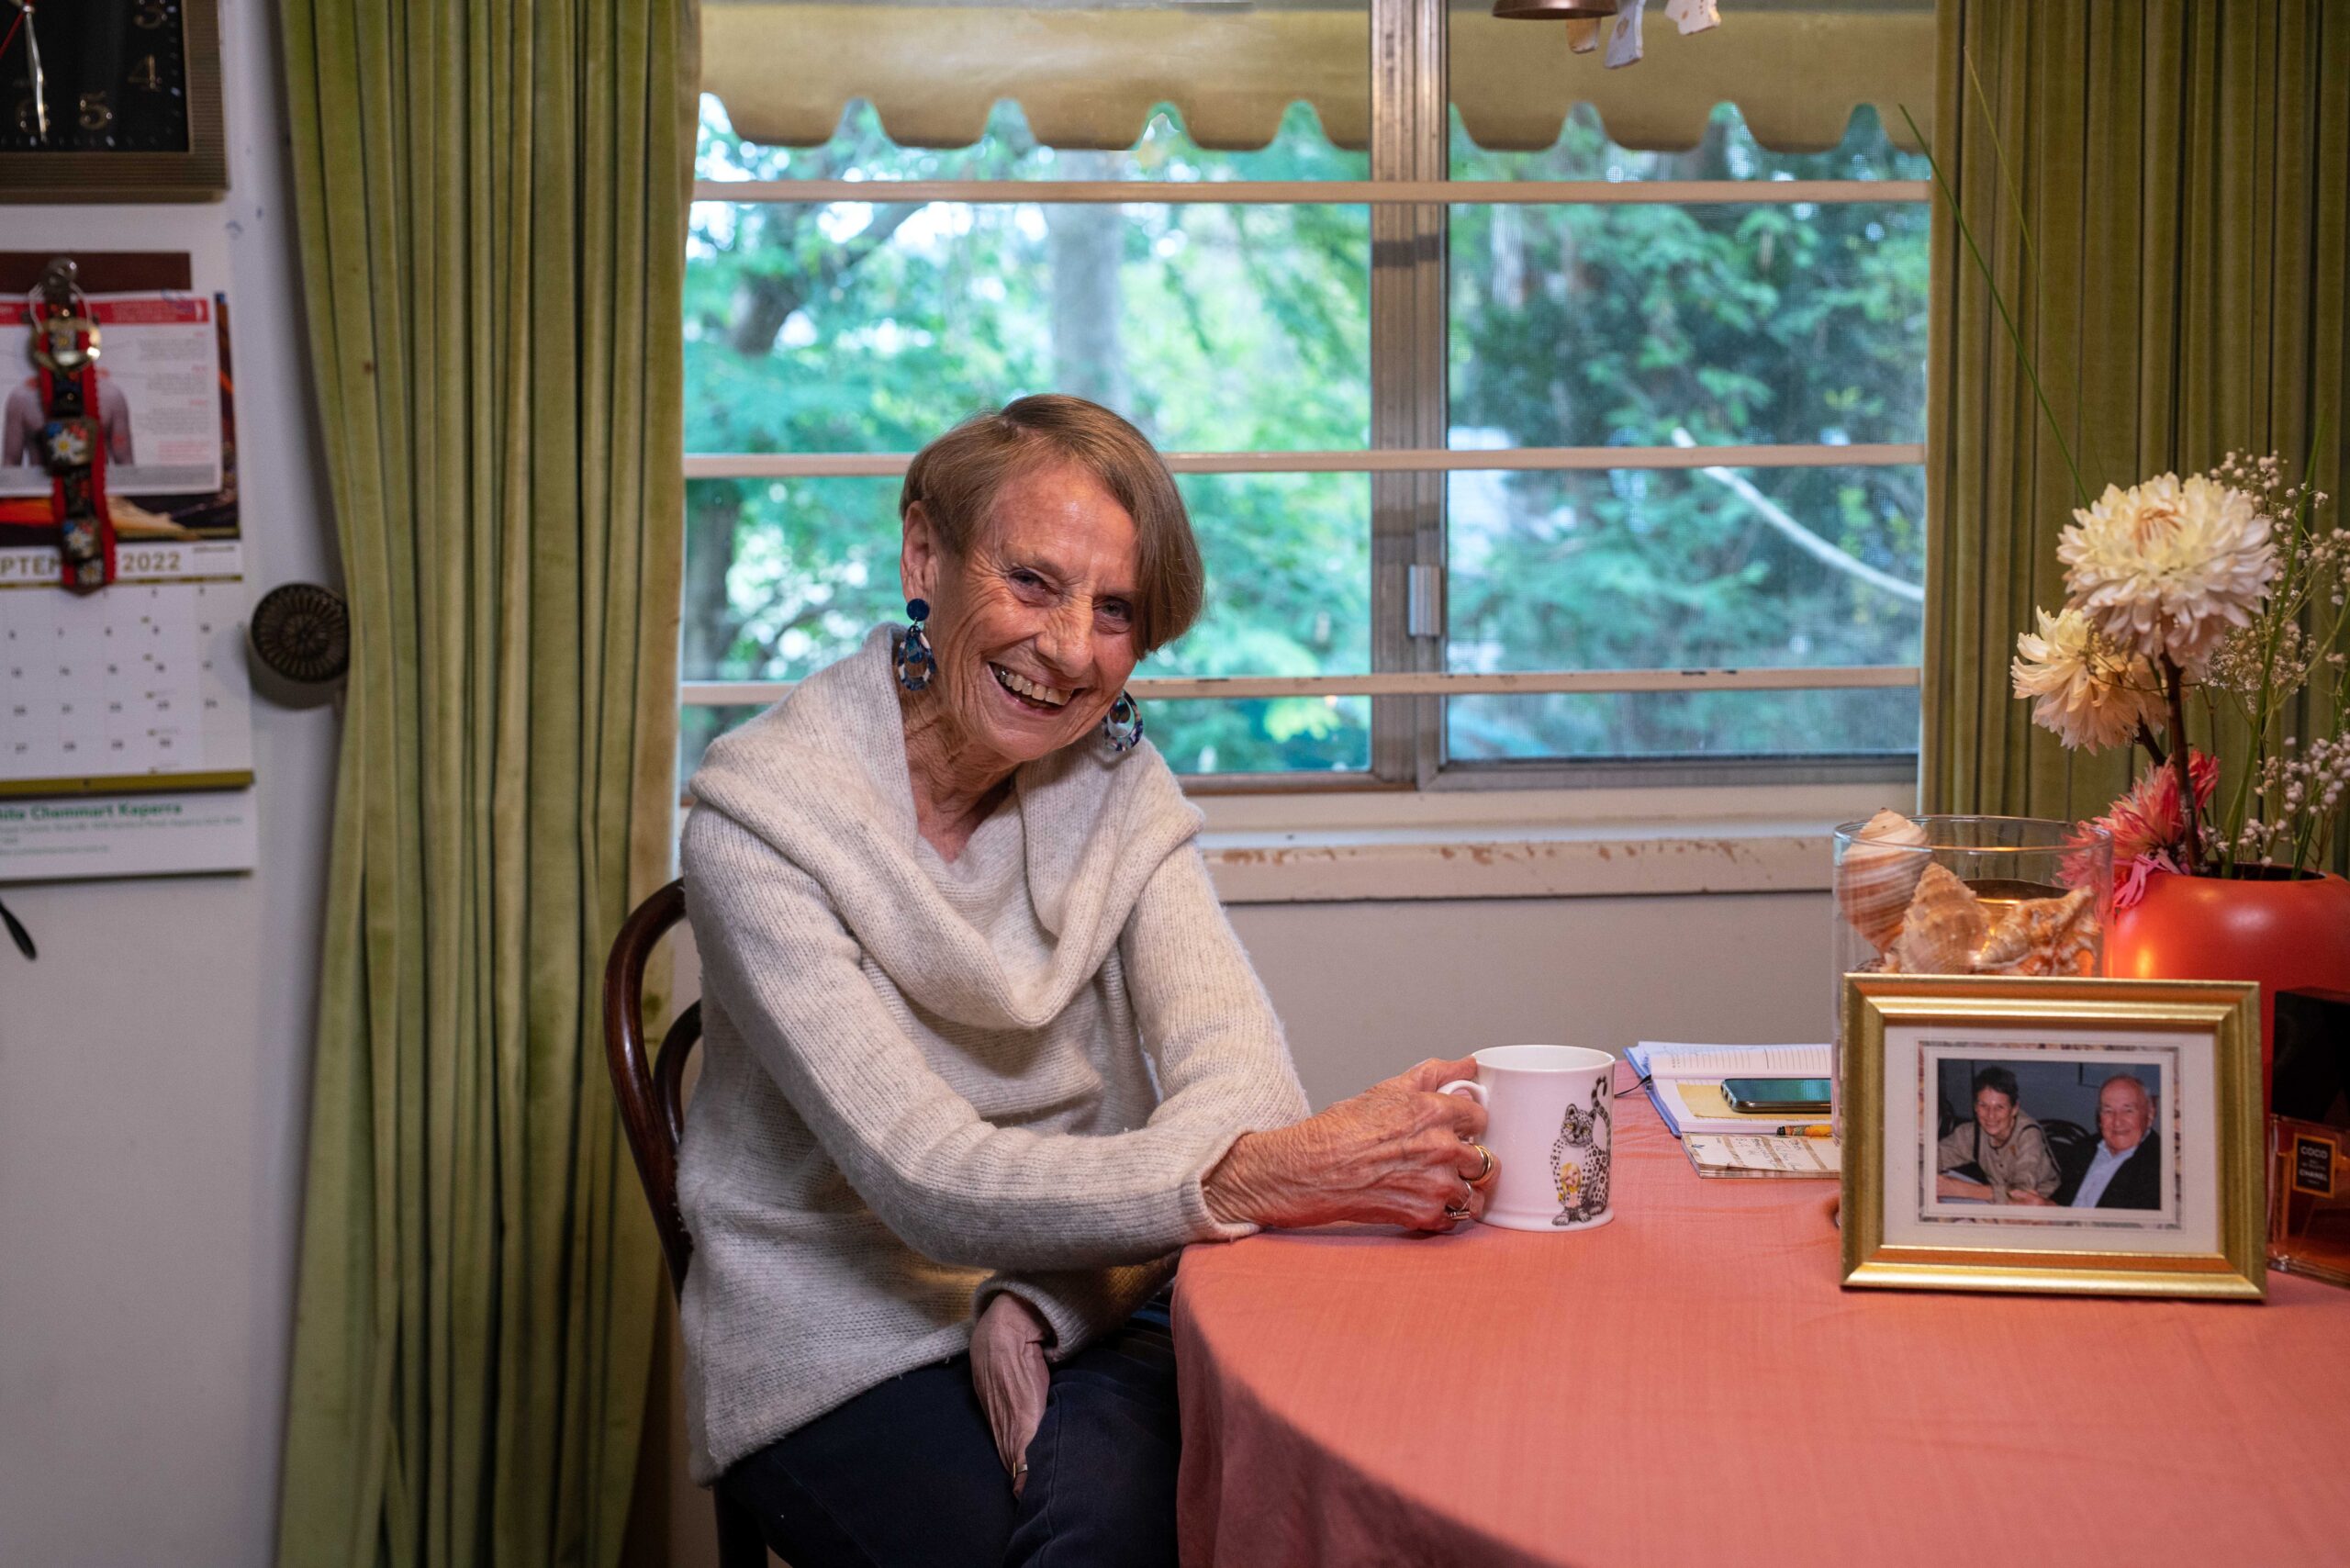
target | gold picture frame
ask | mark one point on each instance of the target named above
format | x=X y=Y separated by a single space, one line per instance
x=2194 y=1045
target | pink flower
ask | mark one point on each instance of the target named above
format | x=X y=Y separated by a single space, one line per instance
x=2147 y=830
x=2131 y=885
x=2148 y=819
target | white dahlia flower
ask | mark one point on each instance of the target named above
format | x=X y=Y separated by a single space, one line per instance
x=2170 y=565
x=2090 y=692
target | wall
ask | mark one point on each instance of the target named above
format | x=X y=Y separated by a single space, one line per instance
x=154 y=1062
x=1368 y=989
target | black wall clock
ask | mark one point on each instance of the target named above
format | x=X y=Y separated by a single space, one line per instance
x=110 y=100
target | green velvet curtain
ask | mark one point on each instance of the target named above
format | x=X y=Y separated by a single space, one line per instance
x=2183 y=167
x=491 y=198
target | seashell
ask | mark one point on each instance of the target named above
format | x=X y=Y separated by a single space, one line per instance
x=1879 y=875
x=1942 y=926
x=2043 y=937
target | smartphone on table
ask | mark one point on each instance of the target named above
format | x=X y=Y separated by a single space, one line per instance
x=1799 y=1095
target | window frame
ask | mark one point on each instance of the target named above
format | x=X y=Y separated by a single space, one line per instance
x=1410 y=194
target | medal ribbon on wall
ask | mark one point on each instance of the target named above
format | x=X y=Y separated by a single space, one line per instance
x=73 y=439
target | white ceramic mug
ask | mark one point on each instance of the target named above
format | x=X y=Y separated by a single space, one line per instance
x=1549 y=1120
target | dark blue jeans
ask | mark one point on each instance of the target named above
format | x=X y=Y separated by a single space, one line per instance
x=905 y=1475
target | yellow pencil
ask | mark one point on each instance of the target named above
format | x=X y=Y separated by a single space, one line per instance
x=1808 y=1130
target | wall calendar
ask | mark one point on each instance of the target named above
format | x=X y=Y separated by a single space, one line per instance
x=126 y=723
x=141 y=687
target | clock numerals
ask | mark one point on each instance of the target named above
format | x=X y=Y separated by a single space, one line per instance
x=127 y=101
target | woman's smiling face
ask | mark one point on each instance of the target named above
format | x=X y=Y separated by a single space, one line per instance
x=1995 y=1114
x=1033 y=627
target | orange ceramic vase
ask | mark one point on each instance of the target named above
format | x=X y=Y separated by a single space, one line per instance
x=2287 y=935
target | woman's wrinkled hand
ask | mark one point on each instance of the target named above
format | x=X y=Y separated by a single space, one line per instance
x=1398 y=1153
x=1009 y=1373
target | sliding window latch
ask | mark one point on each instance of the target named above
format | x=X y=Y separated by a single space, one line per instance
x=1423 y=601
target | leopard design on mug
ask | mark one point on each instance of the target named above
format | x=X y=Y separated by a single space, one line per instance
x=1581 y=1179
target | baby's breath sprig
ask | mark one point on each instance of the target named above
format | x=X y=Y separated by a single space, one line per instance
x=2284 y=798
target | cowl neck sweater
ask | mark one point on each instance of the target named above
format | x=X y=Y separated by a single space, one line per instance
x=926 y=1082
x=822 y=778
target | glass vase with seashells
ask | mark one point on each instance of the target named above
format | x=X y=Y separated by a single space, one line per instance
x=1970 y=895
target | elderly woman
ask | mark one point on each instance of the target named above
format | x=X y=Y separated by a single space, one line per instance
x=983 y=1052
x=2003 y=1146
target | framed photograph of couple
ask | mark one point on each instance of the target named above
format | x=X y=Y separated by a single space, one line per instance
x=2089 y=1136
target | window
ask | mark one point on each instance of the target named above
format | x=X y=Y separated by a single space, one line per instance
x=1607 y=462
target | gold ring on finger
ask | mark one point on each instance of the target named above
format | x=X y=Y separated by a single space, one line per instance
x=1487 y=1174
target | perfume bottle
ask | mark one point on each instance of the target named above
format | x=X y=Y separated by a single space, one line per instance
x=2308 y=1138
x=2309 y=1199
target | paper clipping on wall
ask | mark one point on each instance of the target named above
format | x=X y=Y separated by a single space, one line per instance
x=159 y=397
x=127 y=836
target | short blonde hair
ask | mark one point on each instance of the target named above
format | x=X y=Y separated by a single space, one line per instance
x=956 y=479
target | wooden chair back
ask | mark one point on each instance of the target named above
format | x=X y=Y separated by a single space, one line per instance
x=652 y=1093
x=652 y=1111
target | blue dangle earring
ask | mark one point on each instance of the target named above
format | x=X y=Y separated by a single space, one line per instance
x=1122 y=725
x=916 y=664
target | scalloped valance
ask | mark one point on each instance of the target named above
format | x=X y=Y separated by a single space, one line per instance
x=1088 y=75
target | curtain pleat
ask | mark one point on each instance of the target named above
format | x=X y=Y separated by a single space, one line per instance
x=2183 y=168
x=491 y=198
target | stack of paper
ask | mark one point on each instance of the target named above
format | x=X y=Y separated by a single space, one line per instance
x=1727 y=1154
x=1685 y=1083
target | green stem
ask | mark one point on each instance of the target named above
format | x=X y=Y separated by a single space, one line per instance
x=2309 y=836
x=2241 y=784
x=2175 y=687
x=2007 y=180
x=2303 y=839
x=1998 y=301
x=2023 y=226
x=2289 y=597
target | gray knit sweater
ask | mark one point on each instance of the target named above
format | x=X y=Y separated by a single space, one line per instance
x=925 y=1083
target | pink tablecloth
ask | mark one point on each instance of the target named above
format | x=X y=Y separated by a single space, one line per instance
x=1688 y=1387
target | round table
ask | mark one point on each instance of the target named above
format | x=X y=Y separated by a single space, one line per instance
x=1689 y=1385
